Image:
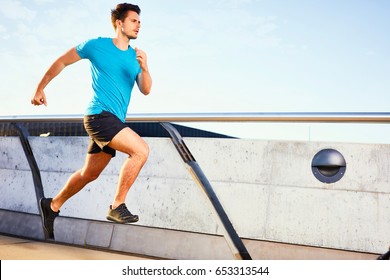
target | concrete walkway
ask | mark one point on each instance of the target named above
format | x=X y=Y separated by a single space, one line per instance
x=12 y=248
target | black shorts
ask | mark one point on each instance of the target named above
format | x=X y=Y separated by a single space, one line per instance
x=102 y=128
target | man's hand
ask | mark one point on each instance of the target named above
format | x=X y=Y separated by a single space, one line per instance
x=142 y=59
x=39 y=98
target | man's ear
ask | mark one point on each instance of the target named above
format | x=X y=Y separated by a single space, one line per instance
x=118 y=23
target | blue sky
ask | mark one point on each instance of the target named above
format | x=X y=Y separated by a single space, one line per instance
x=208 y=56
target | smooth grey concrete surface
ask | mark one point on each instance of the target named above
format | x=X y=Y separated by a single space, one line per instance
x=164 y=243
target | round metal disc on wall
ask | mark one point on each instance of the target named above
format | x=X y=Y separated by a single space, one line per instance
x=328 y=166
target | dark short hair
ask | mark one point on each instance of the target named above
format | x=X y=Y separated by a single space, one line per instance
x=120 y=12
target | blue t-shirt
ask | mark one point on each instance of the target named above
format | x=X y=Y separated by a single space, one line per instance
x=114 y=73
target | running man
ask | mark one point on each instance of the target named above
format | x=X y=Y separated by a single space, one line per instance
x=115 y=68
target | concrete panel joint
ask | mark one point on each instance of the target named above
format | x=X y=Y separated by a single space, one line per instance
x=99 y=234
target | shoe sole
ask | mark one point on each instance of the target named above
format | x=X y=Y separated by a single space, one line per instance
x=48 y=234
x=122 y=221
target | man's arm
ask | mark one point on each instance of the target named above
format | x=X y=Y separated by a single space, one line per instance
x=66 y=59
x=144 y=80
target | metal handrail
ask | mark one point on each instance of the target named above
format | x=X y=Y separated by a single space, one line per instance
x=317 y=117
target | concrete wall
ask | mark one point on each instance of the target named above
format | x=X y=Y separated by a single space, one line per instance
x=266 y=187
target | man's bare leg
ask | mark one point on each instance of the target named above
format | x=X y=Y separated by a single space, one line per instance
x=93 y=166
x=128 y=142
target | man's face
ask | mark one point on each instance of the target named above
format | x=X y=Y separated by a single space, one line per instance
x=130 y=26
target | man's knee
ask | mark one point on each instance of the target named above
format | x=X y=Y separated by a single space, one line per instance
x=143 y=152
x=89 y=176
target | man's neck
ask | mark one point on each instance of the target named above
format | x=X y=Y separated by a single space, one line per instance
x=121 y=42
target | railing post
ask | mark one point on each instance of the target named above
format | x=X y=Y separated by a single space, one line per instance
x=35 y=172
x=235 y=243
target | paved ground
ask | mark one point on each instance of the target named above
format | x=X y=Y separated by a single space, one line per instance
x=12 y=248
